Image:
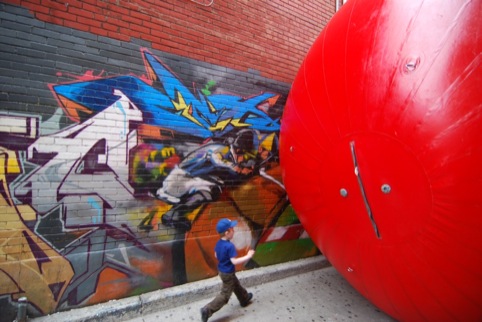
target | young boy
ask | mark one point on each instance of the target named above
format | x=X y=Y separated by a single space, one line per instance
x=226 y=253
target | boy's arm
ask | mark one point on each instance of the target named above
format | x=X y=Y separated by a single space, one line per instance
x=245 y=258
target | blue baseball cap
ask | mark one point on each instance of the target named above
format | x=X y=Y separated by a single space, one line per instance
x=224 y=224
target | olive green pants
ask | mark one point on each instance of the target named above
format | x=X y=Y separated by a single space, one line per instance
x=230 y=284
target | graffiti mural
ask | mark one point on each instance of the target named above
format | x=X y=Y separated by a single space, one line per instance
x=123 y=197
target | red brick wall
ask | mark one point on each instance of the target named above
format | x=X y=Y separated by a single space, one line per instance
x=271 y=37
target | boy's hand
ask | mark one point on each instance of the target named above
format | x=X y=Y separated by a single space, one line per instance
x=243 y=259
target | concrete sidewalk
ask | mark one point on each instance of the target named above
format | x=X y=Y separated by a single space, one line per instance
x=303 y=290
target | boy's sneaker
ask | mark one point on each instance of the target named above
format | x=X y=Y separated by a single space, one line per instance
x=250 y=296
x=204 y=314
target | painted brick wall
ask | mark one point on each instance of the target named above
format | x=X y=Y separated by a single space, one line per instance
x=128 y=129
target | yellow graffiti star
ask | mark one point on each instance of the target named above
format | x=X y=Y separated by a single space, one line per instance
x=186 y=110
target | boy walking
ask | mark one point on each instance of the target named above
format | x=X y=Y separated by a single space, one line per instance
x=226 y=253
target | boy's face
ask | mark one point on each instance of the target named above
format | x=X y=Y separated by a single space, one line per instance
x=229 y=233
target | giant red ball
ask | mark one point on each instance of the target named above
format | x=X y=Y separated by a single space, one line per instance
x=381 y=152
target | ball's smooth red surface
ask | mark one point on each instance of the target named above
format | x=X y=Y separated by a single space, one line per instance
x=381 y=151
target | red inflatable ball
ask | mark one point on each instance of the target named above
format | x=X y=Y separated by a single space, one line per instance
x=381 y=153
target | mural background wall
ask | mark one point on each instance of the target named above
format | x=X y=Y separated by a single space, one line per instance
x=127 y=129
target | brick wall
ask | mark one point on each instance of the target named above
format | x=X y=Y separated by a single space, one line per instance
x=118 y=121
x=271 y=37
